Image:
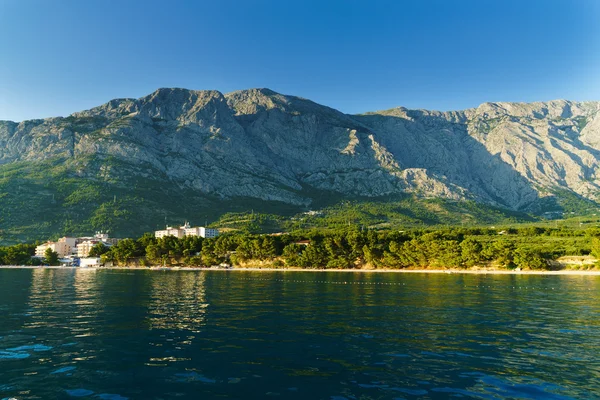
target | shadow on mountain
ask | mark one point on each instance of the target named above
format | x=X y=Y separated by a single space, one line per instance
x=448 y=152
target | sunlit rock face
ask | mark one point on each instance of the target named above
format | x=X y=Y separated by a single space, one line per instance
x=260 y=144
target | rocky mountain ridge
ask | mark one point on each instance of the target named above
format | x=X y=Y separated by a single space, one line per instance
x=260 y=144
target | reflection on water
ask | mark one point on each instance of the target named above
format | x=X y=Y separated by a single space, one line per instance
x=164 y=335
x=177 y=301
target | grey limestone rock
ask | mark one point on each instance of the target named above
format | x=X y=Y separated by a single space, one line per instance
x=261 y=144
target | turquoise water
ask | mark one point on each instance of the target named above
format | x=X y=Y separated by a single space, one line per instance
x=108 y=334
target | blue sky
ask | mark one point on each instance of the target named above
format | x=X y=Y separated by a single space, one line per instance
x=58 y=57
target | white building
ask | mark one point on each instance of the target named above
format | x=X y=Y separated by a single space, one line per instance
x=187 y=230
x=89 y=262
x=170 y=231
x=208 y=232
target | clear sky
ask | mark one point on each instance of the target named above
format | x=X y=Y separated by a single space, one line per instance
x=58 y=57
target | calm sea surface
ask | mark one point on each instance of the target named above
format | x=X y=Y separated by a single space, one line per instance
x=117 y=335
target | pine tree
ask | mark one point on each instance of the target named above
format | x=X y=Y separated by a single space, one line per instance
x=51 y=257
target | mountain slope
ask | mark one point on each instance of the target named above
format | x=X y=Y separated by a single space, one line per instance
x=179 y=154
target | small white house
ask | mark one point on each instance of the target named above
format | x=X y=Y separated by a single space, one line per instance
x=89 y=262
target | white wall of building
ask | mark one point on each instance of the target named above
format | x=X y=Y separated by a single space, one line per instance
x=89 y=262
x=192 y=231
x=208 y=232
x=186 y=230
x=170 y=231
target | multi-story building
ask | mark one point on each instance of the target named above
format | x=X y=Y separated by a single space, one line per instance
x=86 y=244
x=74 y=247
x=63 y=247
x=103 y=237
x=187 y=230
x=170 y=231
x=70 y=241
x=208 y=232
x=83 y=248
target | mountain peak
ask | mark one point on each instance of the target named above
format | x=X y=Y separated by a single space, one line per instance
x=540 y=109
x=166 y=92
x=261 y=144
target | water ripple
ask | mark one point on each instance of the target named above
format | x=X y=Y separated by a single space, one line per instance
x=297 y=335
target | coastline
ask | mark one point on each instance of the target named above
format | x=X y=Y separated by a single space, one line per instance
x=472 y=271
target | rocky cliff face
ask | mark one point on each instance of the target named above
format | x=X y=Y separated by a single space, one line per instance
x=260 y=144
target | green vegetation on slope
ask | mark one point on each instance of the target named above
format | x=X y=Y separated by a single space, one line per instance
x=66 y=196
x=76 y=196
x=568 y=203
x=55 y=198
x=383 y=213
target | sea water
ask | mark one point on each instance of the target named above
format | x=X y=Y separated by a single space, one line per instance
x=118 y=334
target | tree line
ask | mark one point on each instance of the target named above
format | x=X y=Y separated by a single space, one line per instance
x=524 y=247
x=528 y=247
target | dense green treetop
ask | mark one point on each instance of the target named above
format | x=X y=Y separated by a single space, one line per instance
x=460 y=247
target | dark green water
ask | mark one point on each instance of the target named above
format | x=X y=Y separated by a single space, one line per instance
x=243 y=335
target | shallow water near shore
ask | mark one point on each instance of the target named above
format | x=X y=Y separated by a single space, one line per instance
x=119 y=334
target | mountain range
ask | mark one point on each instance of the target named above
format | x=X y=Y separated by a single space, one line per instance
x=131 y=165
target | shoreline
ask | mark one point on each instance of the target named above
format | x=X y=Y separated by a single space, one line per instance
x=378 y=271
